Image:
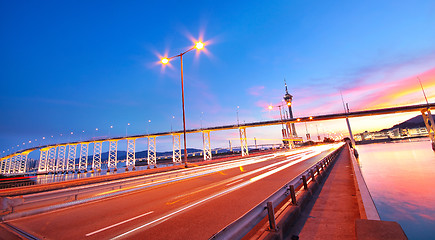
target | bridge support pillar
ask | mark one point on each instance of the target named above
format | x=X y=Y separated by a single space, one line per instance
x=22 y=166
x=290 y=136
x=152 y=151
x=42 y=166
x=176 y=148
x=71 y=161
x=13 y=166
x=131 y=158
x=51 y=163
x=243 y=141
x=206 y=144
x=430 y=125
x=113 y=151
x=96 y=160
x=61 y=158
x=83 y=162
x=16 y=163
x=3 y=165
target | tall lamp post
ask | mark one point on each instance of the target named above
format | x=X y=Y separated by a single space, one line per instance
x=199 y=46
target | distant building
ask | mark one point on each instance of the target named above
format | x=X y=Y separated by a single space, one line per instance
x=396 y=133
x=414 y=132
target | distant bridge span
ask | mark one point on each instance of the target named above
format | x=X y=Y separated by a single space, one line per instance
x=65 y=159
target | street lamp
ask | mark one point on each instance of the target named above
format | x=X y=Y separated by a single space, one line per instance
x=199 y=46
x=238 y=123
x=128 y=124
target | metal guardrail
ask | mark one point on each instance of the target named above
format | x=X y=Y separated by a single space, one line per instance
x=242 y=226
x=17 y=183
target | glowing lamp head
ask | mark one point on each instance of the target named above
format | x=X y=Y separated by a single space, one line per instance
x=199 y=45
x=289 y=104
x=270 y=107
x=165 y=60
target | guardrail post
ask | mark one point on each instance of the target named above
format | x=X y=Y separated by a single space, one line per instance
x=293 y=194
x=312 y=175
x=271 y=214
x=304 y=180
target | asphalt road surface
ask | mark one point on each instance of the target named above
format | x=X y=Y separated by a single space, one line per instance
x=192 y=208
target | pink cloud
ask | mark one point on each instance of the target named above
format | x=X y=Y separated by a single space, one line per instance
x=393 y=86
x=402 y=91
x=256 y=90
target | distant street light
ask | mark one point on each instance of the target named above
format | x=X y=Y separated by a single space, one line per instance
x=238 y=123
x=148 y=126
x=199 y=46
x=173 y=117
x=109 y=131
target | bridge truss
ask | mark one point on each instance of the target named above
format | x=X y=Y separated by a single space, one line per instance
x=62 y=157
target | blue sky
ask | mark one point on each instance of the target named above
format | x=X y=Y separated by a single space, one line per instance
x=74 y=66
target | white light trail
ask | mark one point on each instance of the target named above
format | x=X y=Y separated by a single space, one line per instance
x=312 y=153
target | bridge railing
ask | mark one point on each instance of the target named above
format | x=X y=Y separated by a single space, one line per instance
x=242 y=226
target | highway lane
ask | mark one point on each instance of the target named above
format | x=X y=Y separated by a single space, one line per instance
x=193 y=208
x=102 y=189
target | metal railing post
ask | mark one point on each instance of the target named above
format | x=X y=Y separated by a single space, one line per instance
x=312 y=175
x=293 y=194
x=271 y=214
x=304 y=180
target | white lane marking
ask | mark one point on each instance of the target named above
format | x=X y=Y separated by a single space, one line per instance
x=166 y=217
x=254 y=179
x=234 y=182
x=117 y=224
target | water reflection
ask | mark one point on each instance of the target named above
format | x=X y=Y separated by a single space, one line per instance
x=401 y=180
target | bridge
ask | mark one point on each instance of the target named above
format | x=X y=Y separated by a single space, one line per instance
x=63 y=157
x=260 y=196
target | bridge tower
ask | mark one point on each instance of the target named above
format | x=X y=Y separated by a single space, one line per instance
x=288 y=99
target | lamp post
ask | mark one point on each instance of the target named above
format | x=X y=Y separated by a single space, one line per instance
x=199 y=46
x=238 y=124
